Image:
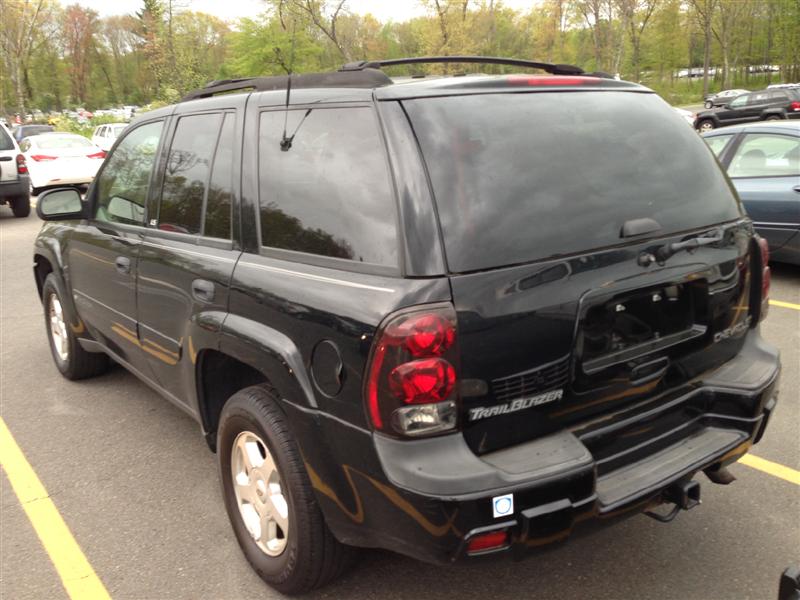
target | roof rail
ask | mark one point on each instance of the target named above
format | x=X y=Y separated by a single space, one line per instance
x=485 y=60
x=361 y=78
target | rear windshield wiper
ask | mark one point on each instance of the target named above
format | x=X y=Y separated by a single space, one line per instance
x=663 y=253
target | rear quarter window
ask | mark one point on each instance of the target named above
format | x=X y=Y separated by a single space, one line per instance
x=330 y=193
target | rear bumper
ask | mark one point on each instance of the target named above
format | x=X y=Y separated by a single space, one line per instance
x=574 y=480
x=15 y=188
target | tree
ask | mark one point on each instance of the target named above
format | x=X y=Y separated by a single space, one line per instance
x=724 y=27
x=704 y=10
x=637 y=14
x=79 y=28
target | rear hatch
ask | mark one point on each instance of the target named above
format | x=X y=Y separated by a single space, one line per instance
x=552 y=206
x=8 y=156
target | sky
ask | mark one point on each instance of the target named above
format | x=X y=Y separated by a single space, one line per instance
x=383 y=10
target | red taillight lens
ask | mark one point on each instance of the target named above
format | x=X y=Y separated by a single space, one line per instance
x=22 y=166
x=494 y=540
x=423 y=381
x=100 y=154
x=551 y=80
x=42 y=157
x=411 y=383
x=795 y=105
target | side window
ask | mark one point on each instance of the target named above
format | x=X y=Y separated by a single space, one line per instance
x=329 y=194
x=123 y=183
x=217 y=221
x=739 y=101
x=5 y=140
x=766 y=155
x=718 y=143
x=758 y=98
x=779 y=96
x=187 y=173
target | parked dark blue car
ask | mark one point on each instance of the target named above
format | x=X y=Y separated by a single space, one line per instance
x=763 y=161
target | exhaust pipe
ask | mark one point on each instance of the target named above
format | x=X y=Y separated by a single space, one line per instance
x=684 y=495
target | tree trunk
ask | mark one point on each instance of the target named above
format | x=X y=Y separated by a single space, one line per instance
x=706 y=55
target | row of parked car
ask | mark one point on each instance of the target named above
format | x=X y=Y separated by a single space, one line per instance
x=33 y=157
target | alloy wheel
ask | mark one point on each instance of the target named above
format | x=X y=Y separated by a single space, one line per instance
x=259 y=494
x=58 y=328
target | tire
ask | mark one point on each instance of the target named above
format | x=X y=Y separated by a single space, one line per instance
x=71 y=359
x=21 y=206
x=308 y=556
x=705 y=125
x=708 y=104
x=773 y=118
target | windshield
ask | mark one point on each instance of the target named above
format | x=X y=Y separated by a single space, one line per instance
x=526 y=176
x=59 y=141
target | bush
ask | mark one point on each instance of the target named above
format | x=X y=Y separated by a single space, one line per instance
x=64 y=123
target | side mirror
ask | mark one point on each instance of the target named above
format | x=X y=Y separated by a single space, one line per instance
x=60 y=205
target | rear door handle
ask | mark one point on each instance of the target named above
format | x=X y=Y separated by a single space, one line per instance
x=123 y=265
x=203 y=290
x=796 y=189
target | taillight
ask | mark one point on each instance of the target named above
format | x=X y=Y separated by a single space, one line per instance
x=766 y=275
x=42 y=157
x=100 y=154
x=22 y=166
x=795 y=106
x=412 y=381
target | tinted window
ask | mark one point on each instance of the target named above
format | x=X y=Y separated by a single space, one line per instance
x=520 y=177
x=186 y=175
x=766 y=155
x=6 y=143
x=718 y=143
x=758 y=98
x=739 y=101
x=329 y=194
x=779 y=96
x=123 y=183
x=218 y=204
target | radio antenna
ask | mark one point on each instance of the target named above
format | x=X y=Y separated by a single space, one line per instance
x=286 y=142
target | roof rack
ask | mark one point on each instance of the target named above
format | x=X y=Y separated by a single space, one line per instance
x=484 y=60
x=361 y=78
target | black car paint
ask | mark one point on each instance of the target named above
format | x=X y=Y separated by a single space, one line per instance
x=273 y=309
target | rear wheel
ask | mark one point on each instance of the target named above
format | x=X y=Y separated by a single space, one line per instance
x=269 y=499
x=706 y=125
x=21 y=206
x=709 y=104
x=71 y=359
x=773 y=118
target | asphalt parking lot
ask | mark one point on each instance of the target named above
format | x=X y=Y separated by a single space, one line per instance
x=137 y=487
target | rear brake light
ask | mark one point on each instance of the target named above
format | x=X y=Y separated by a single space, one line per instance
x=411 y=383
x=554 y=80
x=42 y=157
x=766 y=275
x=494 y=540
x=795 y=106
x=22 y=166
x=100 y=154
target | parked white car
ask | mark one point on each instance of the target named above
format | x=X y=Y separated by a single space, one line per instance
x=14 y=188
x=60 y=159
x=104 y=136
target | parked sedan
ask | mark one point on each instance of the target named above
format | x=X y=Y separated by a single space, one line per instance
x=20 y=132
x=763 y=161
x=60 y=159
x=104 y=136
x=723 y=97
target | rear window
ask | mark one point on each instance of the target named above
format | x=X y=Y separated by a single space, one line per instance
x=5 y=140
x=55 y=142
x=527 y=176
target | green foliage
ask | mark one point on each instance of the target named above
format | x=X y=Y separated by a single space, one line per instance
x=69 y=125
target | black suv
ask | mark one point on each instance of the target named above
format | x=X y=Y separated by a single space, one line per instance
x=766 y=105
x=448 y=317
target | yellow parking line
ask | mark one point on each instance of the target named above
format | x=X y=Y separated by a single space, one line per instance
x=784 y=304
x=772 y=468
x=77 y=575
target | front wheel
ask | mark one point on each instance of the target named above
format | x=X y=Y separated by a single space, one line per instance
x=71 y=359
x=706 y=125
x=269 y=498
